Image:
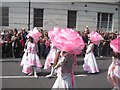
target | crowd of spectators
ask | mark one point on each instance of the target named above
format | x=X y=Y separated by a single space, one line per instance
x=13 y=42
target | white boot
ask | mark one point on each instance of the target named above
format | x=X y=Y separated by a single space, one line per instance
x=35 y=72
x=115 y=88
x=30 y=73
x=52 y=72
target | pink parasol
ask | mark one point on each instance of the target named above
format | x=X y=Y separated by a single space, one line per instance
x=68 y=40
x=115 y=45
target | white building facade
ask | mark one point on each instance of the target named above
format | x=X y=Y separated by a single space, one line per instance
x=46 y=15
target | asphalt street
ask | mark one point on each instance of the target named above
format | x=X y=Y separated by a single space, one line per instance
x=12 y=77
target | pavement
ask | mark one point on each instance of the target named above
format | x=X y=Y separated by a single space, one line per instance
x=12 y=77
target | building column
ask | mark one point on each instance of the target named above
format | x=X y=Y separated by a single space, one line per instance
x=119 y=16
x=0 y=14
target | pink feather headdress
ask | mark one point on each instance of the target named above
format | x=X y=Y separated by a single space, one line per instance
x=95 y=37
x=35 y=34
x=115 y=45
x=67 y=40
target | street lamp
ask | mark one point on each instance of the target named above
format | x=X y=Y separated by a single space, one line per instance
x=29 y=14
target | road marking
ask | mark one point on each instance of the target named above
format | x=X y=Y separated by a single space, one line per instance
x=16 y=77
x=12 y=77
x=81 y=75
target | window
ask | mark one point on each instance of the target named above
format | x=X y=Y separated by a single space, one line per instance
x=104 y=21
x=71 y=23
x=5 y=16
x=38 y=17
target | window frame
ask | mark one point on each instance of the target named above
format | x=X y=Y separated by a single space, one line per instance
x=38 y=17
x=71 y=21
x=101 y=22
x=5 y=16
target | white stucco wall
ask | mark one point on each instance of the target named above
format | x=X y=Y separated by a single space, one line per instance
x=55 y=14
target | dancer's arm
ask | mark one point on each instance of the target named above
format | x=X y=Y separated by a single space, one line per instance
x=112 y=66
x=89 y=49
x=62 y=60
x=56 y=58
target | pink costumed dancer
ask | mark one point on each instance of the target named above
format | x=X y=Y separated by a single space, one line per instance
x=114 y=69
x=70 y=43
x=52 y=54
x=90 y=64
x=30 y=60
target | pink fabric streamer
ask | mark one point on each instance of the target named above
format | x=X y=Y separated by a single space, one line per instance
x=95 y=37
x=67 y=40
x=115 y=45
x=73 y=79
x=75 y=61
